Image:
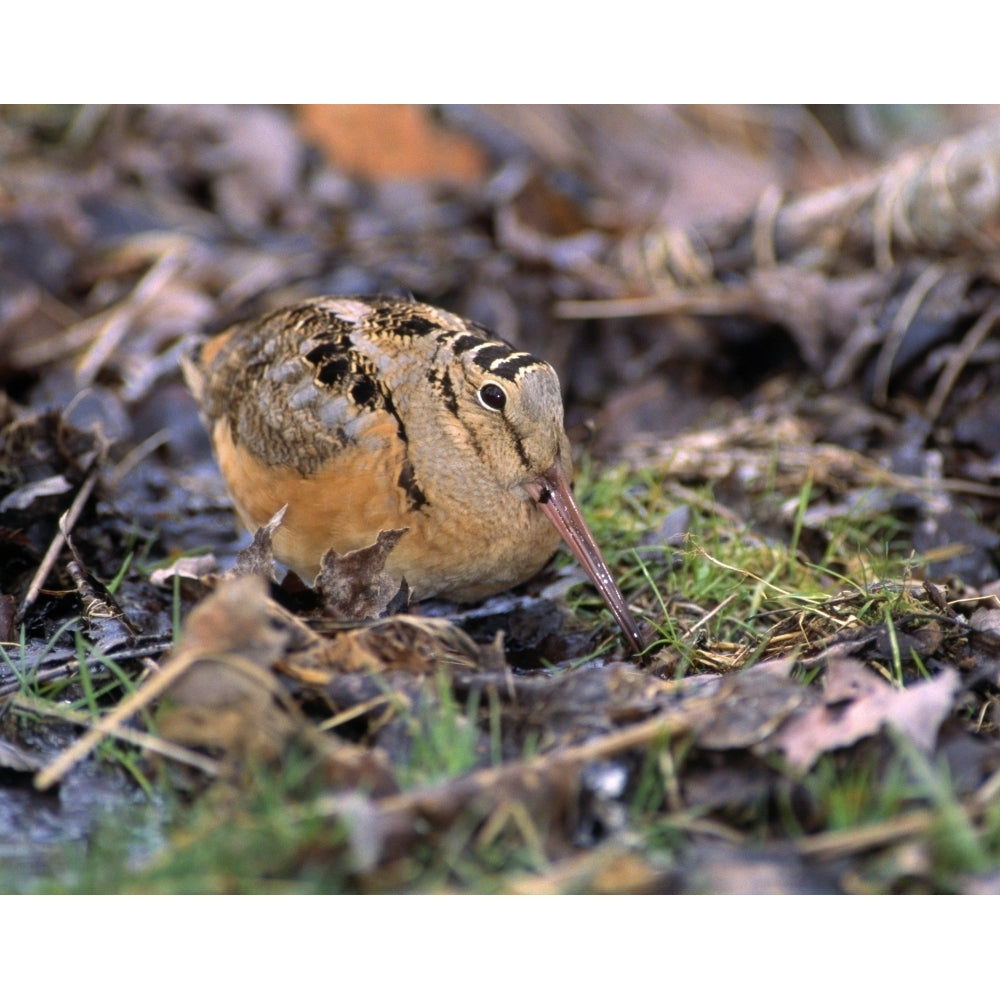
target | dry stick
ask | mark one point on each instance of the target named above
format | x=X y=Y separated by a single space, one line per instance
x=147 y=741
x=951 y=172
x=354 y=712
x=104 y=329
x=584 y=869
x=140 y=698
x=901 y=322
x=66 y=524
x=987 y=791
x=888 y=208
x=668 y=724
x=106 y=726
x=830 y=844
x=137 y=454
x=96 y=606
x=121 y=316
x=765 y=218
x=709 y=301
x=976 y=334
x=920 y=484
x=396 y=814
x=708 y=616
x=924 y=484
x=839 y=843
x=148 y=646
x=923 y=203
x=875 y=472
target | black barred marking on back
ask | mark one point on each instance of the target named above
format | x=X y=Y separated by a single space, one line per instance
x=299 y=316
x=364 y=390
x=333 y=372
x=313 y=321
x=323 y=352
x=345 y=371
x=395 y=320
x=415 y=326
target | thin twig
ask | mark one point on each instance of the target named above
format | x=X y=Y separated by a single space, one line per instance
x=146 y=741
x=708 y=616
x=120 y=318
x=765 y=218
x=59 y=665
x=355 y=711
x=841 y=843
x=106 y=726
x=66 y=525
x=912 y=301
x=976 y=334
x=711 y=301
x=137 y=454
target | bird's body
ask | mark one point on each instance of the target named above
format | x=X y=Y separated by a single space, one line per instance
x=367 y=414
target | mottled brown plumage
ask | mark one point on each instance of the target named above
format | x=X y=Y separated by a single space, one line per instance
x=366 y=414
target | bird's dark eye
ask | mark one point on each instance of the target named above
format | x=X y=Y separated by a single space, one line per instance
x=492 y=396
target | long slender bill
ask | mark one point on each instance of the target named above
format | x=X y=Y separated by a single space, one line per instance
x=554 y=495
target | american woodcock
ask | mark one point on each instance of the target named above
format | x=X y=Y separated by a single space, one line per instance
x=366 y=414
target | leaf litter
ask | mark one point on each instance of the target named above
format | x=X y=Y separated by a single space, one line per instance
x=437 y=732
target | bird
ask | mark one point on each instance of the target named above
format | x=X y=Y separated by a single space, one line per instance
x=372 y=413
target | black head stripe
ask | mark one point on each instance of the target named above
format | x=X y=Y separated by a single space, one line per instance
x=466 y=342
x=511 y=367
x=488 y=353
x=503 y=361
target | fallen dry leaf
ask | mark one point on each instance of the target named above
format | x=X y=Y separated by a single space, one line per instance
x=24 y=497
x=257 y=559
x=226 y=697
x=858 y=703
x=355 y=585
x=187 y=568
